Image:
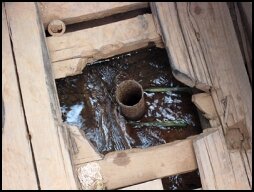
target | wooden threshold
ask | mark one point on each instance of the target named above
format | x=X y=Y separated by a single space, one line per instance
x=129 y=167
x=124 y=168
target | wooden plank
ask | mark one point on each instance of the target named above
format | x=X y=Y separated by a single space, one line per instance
x=202 y=45
x=17 y=164
x=241 y=13
x=246 y=14
x=125 y=168
x=204 y=103
x=249 y=154
x=72 y=51
x=247 y=164
x=74 y=12
x=218 y=168
x=39 y=95
x=150 y=185
x=183 y=52
x=155 y=18
x=240 y=170
x=83 y=150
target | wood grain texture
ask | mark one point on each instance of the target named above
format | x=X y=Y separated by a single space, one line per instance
x=84 y=151
x=39 y=95
x=241 y=13
x=204 y=103
x=74 y=12
x=246 y=156
x=17 y=164
x=202 y=45
x=124 y=168
x=72 y=51
x=180 y=37
x=246 y=15
x=218 y=168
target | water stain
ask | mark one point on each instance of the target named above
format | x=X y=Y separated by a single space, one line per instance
x=121 y=159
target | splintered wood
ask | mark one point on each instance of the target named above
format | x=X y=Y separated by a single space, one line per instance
x=72 y=51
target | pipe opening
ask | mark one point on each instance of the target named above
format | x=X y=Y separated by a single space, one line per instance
x=132 y=98
x=130 y=94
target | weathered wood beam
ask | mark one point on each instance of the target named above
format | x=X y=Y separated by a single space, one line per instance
x=39 y=95
x=18 y=171
x=219 y=168
x=202 y=45
x=125 y=168
x=74 y=12
x=72 y=51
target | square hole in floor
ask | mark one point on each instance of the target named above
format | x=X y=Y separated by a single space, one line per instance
x=88 y=101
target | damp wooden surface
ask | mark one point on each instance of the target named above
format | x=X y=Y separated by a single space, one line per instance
x=74 y=12
x=72 y=51
x=18 y=171
x=216 y=163
x=140 y=165
x=39 y=97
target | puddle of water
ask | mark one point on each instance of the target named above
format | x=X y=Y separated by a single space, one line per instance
x=182 y=182
x=88 y=101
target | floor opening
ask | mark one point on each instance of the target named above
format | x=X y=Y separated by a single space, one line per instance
x=88 y=101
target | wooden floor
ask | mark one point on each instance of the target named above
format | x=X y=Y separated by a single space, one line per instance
x=41 y=152
x=205 y=53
